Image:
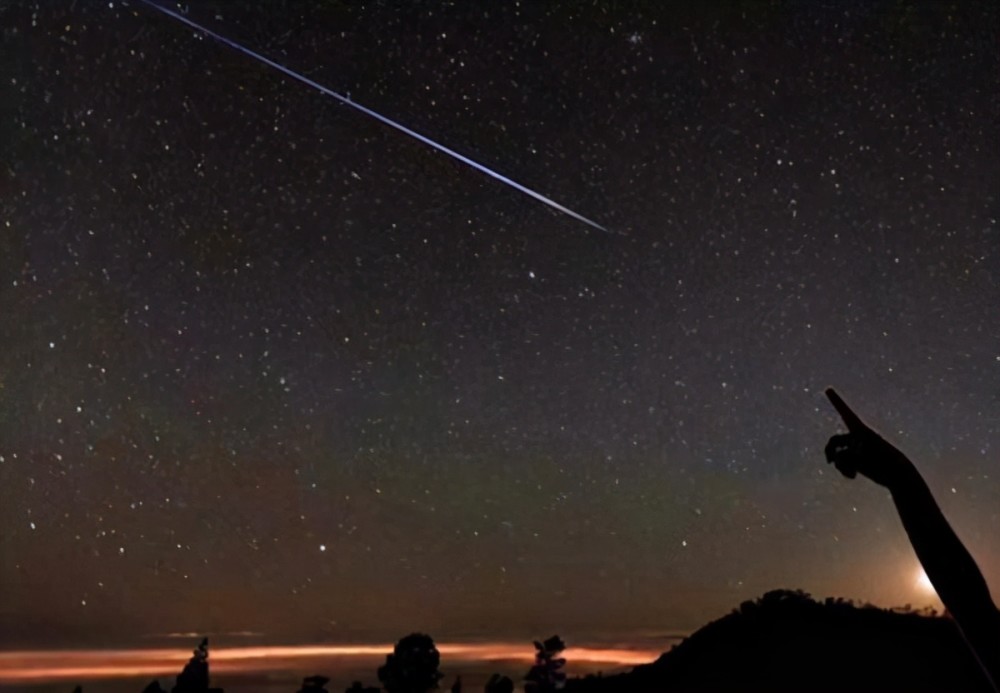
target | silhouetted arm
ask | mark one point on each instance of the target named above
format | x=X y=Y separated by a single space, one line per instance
x=951 y=569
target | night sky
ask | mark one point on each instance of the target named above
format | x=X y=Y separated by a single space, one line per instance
x=269 y=365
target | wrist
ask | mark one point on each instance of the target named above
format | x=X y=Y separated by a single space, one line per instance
x=906 y=480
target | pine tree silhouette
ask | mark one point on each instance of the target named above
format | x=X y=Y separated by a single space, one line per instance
x=547 y=674
x=412 y=667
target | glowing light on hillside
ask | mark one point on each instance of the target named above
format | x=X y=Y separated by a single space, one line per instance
x=923 y=583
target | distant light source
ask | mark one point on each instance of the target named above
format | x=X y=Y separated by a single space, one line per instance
x=923 y=583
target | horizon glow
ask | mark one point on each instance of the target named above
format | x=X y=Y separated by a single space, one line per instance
x=39 y=666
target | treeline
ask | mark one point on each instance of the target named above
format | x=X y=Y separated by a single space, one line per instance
x=412 y=667
x=783 y=642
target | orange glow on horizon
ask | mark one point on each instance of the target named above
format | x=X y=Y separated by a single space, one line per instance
x=58 y=665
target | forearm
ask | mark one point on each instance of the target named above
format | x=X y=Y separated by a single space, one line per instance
x=951 y=569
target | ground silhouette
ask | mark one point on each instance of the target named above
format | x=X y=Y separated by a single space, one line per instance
x=499 y=684
x=358 y=687
x=314 y=684
x=787 y=642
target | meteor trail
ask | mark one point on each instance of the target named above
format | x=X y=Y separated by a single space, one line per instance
x=378 y=116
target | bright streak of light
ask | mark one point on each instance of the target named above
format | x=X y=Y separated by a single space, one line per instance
x=378 y=116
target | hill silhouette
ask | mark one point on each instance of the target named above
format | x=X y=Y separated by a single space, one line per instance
x=786 y=641
x=782 y=642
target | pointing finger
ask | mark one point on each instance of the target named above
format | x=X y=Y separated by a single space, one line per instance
x=837 y=447
x=851 y=420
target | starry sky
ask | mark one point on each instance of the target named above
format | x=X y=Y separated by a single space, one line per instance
x=270 y=366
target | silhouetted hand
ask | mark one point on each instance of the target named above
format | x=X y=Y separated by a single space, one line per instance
x=947 y=562
x=863 y=450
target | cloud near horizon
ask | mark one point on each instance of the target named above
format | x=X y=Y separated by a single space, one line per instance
x=37 y=666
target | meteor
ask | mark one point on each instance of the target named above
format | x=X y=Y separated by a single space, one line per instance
x=378 y=116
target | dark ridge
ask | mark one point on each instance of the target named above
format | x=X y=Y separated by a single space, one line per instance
x=787 y=642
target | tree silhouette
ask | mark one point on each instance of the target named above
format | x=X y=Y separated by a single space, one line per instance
x=499 y=684
x=358 y=687
x=194 y=677
x=412 y=667
x=547 y=674
x=314 y=684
